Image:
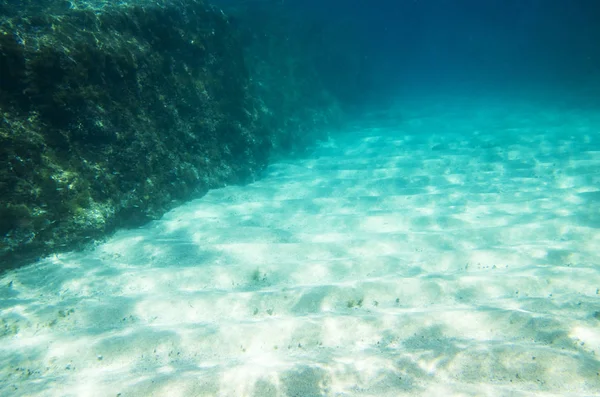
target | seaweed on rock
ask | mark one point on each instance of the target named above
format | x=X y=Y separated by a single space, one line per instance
x=110 y=115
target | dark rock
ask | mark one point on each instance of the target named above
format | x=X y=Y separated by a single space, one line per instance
x=112 y=115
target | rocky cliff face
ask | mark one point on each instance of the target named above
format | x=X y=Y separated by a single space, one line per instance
x=111 y=115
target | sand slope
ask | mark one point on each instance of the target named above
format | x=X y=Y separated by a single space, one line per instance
x=434 y=251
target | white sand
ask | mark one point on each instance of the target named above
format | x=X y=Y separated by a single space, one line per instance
x=441 y=251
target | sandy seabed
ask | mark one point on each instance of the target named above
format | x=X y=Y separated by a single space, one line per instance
x=435 y=250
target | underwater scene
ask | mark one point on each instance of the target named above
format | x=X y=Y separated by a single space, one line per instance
x=286 y=198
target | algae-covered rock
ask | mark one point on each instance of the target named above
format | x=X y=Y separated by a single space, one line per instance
x=111 y=114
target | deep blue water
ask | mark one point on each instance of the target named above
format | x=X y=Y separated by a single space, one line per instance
x=432 y=45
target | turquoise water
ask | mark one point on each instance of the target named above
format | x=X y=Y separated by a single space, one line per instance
x=444 y=246
x=444 y=243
